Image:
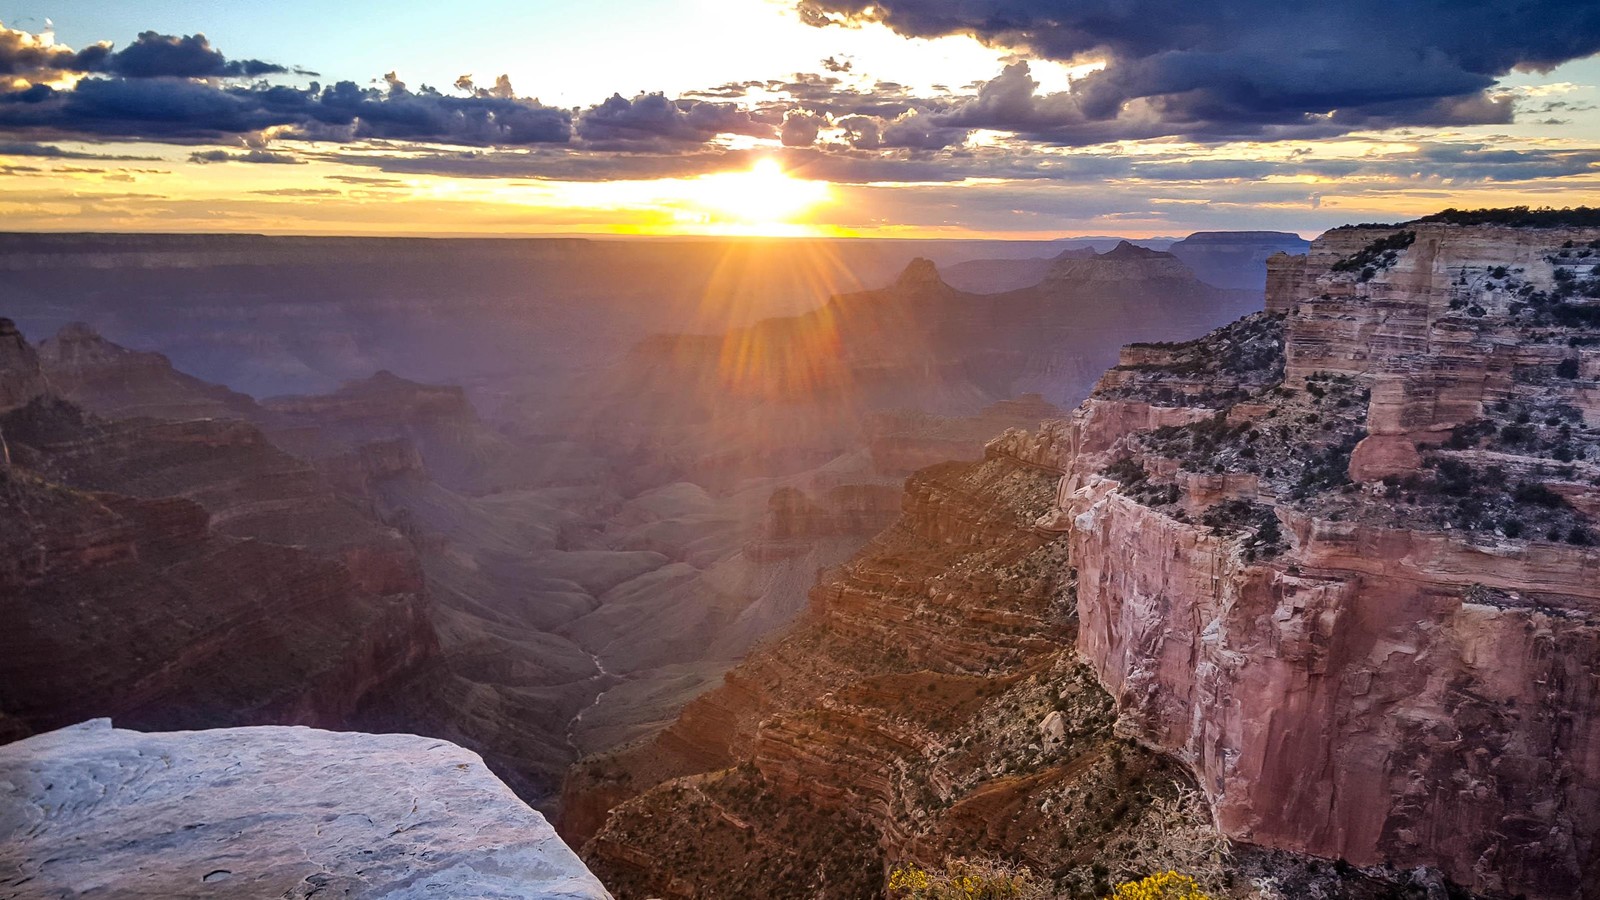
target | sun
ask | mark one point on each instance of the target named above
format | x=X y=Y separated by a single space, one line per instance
x=762 y=200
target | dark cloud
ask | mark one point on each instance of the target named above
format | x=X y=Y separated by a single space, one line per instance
x=265 y=157
x=154 y=55
x=921 y=131
x=12 y=148
x=181 y=110
x=1236 y=68
x=862 y=132
x=151 y=55
x=650 y=119
x=800 y=128
x=25 y=55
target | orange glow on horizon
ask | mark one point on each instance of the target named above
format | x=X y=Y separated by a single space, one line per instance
x=763 y=200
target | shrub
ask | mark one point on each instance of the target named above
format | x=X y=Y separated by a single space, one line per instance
x=1540 y=217
x=1537 y=495
x=1126 y=470
x=1380 y=253
x=1160 y=886
x=964 y=879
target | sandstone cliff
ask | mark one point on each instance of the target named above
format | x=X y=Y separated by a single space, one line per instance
x=929 y=705
x=21 y=378
x=1339 y=557
x=181 y=574
x=118 y=383
x=1234 y=259
x=93 y=811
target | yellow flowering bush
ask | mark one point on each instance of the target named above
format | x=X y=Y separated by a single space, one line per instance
x=964 y=879
x=1161 y=886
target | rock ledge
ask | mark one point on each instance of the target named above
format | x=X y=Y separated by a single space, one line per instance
x=97 y=811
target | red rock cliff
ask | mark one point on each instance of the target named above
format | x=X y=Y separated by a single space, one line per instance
x=1352 y=582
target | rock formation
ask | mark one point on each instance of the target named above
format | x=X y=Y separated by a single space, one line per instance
x=1339 y=557
x=931 y=704
x=845 y=741
x=96 y=811
x=183 y=574
x=1234 y=259
x=118 y=383
x=21 y=378
x=1123 y=270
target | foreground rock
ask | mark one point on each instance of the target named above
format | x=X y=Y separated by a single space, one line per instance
x=96 y=811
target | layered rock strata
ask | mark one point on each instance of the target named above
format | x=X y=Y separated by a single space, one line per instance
x=183 y=574
x=900 y=720
x=1340 y=558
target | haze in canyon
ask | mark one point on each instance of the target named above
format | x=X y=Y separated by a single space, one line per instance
x=910 y=450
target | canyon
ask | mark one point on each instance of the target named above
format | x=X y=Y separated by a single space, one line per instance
x=588 y=542
x=1302 y=607
x=1321 y=580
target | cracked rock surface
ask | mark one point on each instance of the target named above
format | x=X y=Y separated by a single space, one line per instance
x=97 y=811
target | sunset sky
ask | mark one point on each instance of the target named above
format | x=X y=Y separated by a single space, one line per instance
x=917 y=118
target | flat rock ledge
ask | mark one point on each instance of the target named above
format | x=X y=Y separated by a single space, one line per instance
x=281 y=812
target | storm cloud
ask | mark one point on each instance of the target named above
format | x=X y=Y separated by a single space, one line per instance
x=184 y=110
x=1247 y=67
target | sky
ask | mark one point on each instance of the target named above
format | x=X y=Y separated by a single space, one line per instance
x=895 y=118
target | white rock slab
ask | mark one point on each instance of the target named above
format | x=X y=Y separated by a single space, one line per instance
x=97 y=811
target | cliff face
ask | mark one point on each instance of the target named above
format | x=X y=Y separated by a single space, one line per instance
x=923 y=343
x=93 y=811
x=928 y=705
x=1234 y=259
x=182 y=574
x=20 y=376
x=1121 y=269
x=118 y=383
x=1339 y=557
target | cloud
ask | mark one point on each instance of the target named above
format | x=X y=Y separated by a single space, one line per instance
x=862 y=132
x=1247 y=67
x=154 y=55
x=921 y=131
x=38 y=58
x=250 y=156
x=13 y=148
x=299 y=192
x=182 y=110
x=800 y=128
x=649 y=119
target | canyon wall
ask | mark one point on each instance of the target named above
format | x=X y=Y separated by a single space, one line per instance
x=186 y=573
x=1339 y=557
x=930 y=705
